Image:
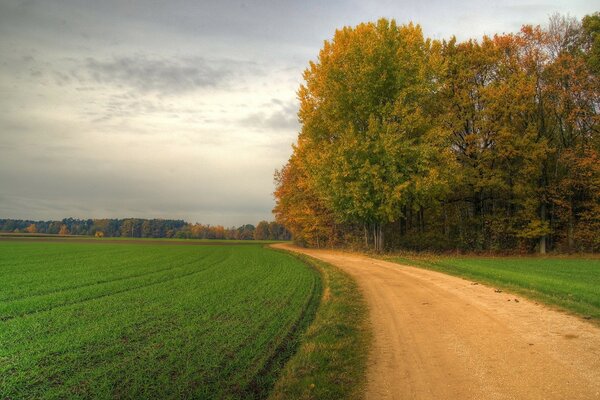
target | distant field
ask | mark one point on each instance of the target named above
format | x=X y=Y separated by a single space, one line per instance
x=571 y=283
x=82 y=320
x=8 y=236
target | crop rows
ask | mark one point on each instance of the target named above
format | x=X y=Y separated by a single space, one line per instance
x=130 y=321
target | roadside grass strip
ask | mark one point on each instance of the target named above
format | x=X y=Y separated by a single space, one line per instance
x=331 y=361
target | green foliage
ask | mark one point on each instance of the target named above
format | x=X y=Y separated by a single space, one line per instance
x=110 y=320
x=366 y=139
x=535 y=229
x=591 y=40
x=492 y=144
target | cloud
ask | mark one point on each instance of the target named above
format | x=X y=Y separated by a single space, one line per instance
x=281 y=117
x=143 y=85
x=159 y=74
x=181 y=108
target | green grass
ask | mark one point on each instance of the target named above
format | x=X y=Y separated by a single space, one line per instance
x=332 y=358
x=118 y=320
x=570 y=283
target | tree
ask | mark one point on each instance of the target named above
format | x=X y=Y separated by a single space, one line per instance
x=246 y=232
x=262 y=231
x=591 y=41
x=298 y=207
x=54 y=227
x=63 y=230
x=363 y=122
x=479 y=145
x=147 y=229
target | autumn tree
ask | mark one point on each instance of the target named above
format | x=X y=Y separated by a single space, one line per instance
x=262 y=231
x=365 y=128
x=31 y=228
x=298 y=206
x=63 y=230
x=476 y=145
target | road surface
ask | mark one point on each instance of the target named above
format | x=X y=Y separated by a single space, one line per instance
x=441 y=337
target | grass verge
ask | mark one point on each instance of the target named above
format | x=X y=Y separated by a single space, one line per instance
x=570 y=283
x=331 y=360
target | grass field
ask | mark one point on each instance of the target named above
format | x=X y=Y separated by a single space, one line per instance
x=570 y=283
x=119 y=320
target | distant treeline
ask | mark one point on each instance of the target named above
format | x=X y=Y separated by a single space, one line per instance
x=476 y=145
x=146 y=228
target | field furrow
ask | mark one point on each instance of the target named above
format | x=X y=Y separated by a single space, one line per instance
x=199 y=321
x=42 y=303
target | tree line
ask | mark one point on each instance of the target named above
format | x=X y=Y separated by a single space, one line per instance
x=479 y=145
x=146 y=228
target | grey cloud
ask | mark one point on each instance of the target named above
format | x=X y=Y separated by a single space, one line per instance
x=140 y=85
x=282 y=117
x=159 y=75
x=142 y=108
x=126 y=108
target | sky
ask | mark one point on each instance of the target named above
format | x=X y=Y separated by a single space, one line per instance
x=179 y=109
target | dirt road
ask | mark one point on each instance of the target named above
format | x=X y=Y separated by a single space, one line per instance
x=442 y=337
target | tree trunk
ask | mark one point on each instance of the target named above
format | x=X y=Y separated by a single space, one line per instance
x=374 y=227
x=446 y=227
x=543 y=245
x=403 y=221
x=378 y=237
x=543 y=186
x=543 y=237
x=570 y=239
x=482 y=221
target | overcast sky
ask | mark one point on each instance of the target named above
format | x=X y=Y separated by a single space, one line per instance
x=178 y=109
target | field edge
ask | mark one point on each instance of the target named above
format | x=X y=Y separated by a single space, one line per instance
x=331 y=361
x=264 y=381
x=571 y=307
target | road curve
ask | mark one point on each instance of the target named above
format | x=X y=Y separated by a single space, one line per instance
x=441 y=337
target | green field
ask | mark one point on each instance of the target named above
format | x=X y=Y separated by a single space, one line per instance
x=125 y=320
x=570 y=283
